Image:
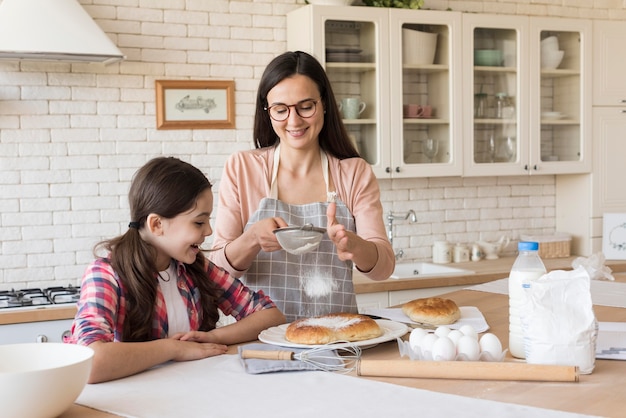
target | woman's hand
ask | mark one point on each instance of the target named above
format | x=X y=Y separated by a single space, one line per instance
x=349 y=245
x=262 y=232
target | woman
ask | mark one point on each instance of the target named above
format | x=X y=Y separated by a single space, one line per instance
x=303 y=155
x=155 y=297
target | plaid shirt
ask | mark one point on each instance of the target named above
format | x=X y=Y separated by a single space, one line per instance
x=102 y=304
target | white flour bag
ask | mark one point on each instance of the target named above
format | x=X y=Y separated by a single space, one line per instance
x=558 y=321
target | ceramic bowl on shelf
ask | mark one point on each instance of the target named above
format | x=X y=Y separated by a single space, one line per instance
x=550 y=44
x=551 y=60
x=488 y=57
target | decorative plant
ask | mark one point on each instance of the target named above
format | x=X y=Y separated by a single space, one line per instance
x=401 y=4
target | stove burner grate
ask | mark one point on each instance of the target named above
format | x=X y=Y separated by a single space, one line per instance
x=38 y=297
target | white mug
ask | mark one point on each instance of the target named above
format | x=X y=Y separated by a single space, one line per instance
x=351 y=107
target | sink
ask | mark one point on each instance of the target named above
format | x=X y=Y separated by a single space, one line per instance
x=426 y=270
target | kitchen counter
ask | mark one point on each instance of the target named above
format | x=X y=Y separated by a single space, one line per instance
x=599 y=393
x=485 y=271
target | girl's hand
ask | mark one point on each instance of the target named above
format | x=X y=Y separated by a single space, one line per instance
x=196 y=345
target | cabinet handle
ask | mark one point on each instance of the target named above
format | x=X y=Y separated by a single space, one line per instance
x=623 y=100
x=397 y=169
x=387 y=169
x=525 y=167
x=535 y=167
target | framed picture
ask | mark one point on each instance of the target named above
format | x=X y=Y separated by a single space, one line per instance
x=614 y=236
x=195 y=104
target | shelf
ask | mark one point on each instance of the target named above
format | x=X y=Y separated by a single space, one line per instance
x=560 y=122
x=427 y=121
x=359 y=121
x=480 y=69
x=433 y=68
x=355 y=67
x=559 y=73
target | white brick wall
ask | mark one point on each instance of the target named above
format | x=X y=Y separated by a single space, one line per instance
x=72 y=135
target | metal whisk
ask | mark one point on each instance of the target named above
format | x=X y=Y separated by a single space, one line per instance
x=339 y=356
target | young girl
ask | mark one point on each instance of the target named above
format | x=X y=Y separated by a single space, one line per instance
x=155 y=297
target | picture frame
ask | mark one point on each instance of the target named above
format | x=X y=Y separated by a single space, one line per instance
x=195 y=104
x=614 y=236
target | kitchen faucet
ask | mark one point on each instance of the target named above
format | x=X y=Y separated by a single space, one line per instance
x=410 y=216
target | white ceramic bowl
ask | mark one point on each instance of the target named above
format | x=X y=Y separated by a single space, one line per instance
x=551 y=43
x=41 y=380
x=552 y=60
x=332 y=2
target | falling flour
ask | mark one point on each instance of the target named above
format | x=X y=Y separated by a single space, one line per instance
x=316 y=286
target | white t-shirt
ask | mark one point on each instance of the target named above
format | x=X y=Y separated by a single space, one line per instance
x=177 y=318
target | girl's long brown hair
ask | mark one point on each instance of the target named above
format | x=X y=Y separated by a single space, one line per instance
x=167 y=187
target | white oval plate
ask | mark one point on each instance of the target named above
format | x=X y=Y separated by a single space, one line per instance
x=391 y=331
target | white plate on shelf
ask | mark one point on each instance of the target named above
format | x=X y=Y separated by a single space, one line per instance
x=552 y=115
x=391 y=331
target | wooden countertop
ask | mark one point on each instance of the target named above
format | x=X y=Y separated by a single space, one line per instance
x=485 y=271
x=599 y=393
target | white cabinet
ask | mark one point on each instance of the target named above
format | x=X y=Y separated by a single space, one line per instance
x=375 y=54
x=536 y=119
x=609 y=70
x=582 y=200
x=361 y=49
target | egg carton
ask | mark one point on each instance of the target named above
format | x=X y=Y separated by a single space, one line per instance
x=407 y=351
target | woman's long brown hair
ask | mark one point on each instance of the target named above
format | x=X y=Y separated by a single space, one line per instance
x=333 y=137
x=166 y=186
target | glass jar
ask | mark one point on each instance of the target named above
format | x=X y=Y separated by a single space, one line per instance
x=501 y=102
x=480 y=105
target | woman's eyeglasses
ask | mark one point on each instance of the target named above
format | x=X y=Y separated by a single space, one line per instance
x=304 y=109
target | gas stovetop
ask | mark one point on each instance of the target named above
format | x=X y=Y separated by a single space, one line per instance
x=35 y=298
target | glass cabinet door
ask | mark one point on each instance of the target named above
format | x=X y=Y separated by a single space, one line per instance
x=562 y=96
x=425 y=75
x=349 y=45
x=495 y=106
x=351 y=59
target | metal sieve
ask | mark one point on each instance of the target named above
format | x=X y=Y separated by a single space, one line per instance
x=299 y=239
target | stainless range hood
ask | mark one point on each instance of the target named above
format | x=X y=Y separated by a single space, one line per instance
x=58 y=30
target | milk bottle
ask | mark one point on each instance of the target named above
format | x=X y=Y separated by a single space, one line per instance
x=527 y=267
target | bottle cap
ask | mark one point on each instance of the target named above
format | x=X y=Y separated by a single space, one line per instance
x=527 y=246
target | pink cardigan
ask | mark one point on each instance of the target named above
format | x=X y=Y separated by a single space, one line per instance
x=246 y=180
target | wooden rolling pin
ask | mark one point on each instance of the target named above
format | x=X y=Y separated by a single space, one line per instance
x=475 y=370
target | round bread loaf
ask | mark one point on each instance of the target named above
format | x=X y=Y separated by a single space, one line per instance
x=333 y=327
x=432 y=311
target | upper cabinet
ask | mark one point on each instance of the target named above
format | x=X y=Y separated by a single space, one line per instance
x=402 y=68
x=609 y=86
x=441 y=93
x=529 y=87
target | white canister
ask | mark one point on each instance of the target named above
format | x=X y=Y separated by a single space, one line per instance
x=442 y=252
x=461 y=253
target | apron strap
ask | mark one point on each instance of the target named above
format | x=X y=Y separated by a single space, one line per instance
x=274 y=187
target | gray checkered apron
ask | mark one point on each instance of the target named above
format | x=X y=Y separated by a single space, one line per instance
x=309 y=284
